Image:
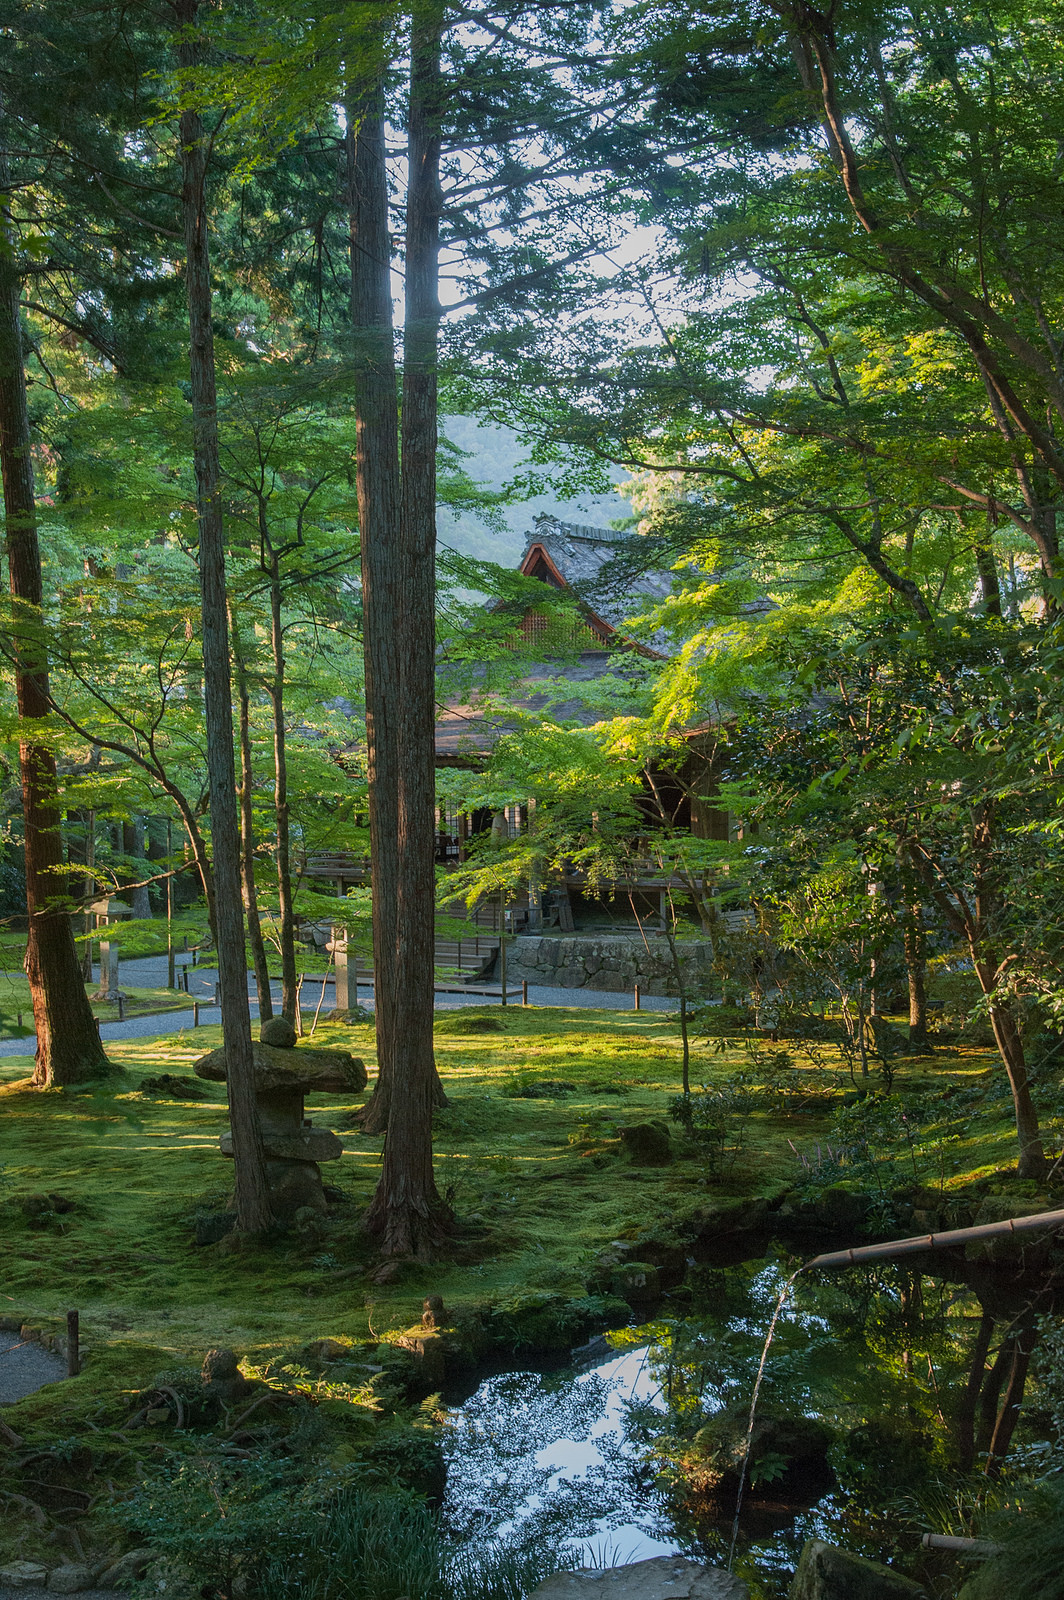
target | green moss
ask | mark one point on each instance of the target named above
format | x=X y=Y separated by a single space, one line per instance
x=540 y=1185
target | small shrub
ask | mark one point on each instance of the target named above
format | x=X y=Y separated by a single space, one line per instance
x=525 y=1087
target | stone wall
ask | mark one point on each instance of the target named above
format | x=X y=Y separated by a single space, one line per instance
x=610 y=962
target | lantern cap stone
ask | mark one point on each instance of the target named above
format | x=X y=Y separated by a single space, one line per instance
x=301 y=1071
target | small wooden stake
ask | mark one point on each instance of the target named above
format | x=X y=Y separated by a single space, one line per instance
x=636 y=993
x=524 y=991
x=195 y=1013
x=73 y=1345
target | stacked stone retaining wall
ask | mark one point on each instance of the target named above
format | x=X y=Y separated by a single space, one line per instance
x=613 y=963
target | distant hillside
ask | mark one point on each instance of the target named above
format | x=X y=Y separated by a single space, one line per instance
x=495 y=455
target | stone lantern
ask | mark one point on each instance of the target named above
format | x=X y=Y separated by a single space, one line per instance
x=293 y=1146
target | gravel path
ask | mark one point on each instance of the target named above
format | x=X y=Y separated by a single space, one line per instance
x=149 y=972
x=25 y=1366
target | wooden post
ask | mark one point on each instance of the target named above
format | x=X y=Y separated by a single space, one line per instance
x=169 y=905
x=524 y=991
x=195 y=1013
x=121 y=1009
x=502 y=943
x=636 y=996
x=73 y=1352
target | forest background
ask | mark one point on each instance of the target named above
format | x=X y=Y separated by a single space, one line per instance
x=796 y=275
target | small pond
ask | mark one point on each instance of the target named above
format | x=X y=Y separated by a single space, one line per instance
x=602 y=1459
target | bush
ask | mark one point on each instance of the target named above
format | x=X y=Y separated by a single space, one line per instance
x=1031 y=1567
x=225 y=1528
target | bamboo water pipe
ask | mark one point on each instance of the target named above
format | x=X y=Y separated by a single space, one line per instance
x=936 y=1241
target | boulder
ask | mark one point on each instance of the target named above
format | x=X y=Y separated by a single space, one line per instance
x=795 y=1447
x=70 y=1578
x=297 y=1071
x=23 y=1574
x=126 y=1570
x=663 y=1578
x=827 y=1573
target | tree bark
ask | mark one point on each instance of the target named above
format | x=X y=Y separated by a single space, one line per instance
x=407 y=1210
x=965 y=1421
x=989 y=583
x=133 y=847
x=286 y=909
x=378 y=494
x=915 y=945
x=1020 y=1349
x=252 y=1196
x=68 y=1041
x=259 y=963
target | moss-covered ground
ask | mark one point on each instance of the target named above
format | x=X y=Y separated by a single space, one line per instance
x=540 y=1184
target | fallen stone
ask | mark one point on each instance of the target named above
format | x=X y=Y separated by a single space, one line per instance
x=827 y=1573
x=126 y=1570
x=663 y=1578
x=299 y=1070
x=21 y=1574
x=70 y=1579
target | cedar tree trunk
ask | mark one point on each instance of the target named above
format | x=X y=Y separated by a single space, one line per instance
x=68 y=1041
x=915 y=944
x=377 y=489
x=251 y=1197
x=289 y=980
x=247 y=848
x=407 y=1211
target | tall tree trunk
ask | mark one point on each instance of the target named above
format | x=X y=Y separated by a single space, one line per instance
x=68 y=1041
x=259 y=962
x=252 y=1196
x=286 y=918
x=133 y=847
x=377 y=489
x=1032 y=1160
x=915 y=945
x=965 y=1421
x=989 y=583
x=1021 y=1348
x=406 y=1209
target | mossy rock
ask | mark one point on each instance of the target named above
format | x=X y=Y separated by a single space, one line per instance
x=649 y=1144
x=636 y=1280
x=786 y=1452
x=827 y=1573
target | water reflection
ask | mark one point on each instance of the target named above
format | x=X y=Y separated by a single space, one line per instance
x=534 y=1457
